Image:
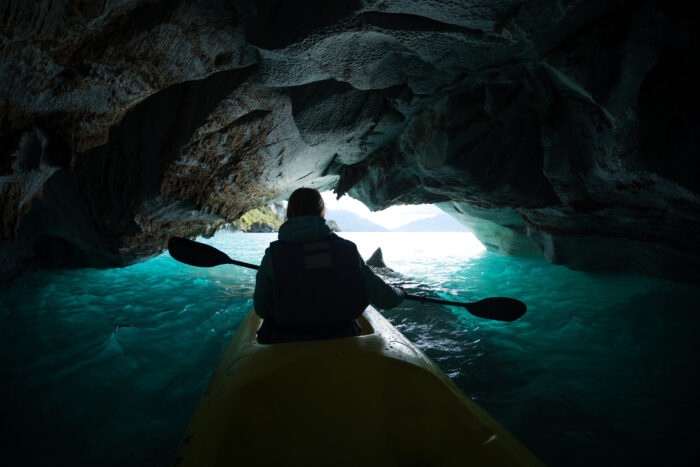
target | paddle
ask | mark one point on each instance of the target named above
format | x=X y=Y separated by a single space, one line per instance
x=205 y=256
x=201 y=255
x=496 y=308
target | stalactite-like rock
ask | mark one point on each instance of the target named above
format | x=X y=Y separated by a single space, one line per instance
x=567 y=128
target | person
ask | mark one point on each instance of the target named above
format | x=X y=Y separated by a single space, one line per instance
x=313 y=284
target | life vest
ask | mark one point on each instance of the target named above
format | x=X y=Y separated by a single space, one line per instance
x=317 y=284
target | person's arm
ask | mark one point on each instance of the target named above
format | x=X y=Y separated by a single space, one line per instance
x=379 y=293
x=264 y=287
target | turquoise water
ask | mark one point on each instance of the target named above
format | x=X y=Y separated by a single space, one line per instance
x=104 y=367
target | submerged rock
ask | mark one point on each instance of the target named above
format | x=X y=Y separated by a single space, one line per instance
x=567 y=129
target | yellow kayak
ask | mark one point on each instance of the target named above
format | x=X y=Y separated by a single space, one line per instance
x=375 y=399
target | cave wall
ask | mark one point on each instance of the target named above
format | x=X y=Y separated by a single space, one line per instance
x=566 y=128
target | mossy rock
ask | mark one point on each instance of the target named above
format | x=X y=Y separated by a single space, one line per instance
x=333 y=225
x=259 y=220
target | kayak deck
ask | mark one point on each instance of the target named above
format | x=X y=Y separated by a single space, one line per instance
x=374 y=399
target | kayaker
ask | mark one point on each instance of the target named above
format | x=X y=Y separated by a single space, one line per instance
x=312 y=284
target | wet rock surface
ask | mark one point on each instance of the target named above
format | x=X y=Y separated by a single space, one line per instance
x=566 y=128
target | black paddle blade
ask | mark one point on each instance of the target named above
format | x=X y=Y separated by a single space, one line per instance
x=497 y=308
x=196 y=254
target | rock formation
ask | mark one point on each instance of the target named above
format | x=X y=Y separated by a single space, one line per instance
x=563 y=127
x=376 y=263
x=264 y=219
x=377 y=259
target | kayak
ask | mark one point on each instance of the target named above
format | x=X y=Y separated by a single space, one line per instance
x=374 y=399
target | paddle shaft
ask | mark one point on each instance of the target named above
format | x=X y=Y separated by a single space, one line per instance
x=420 y=298
x=205 y=256
x=245 y=265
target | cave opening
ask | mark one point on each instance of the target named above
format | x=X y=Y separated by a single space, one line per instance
x=432 y=232
x=561 y=133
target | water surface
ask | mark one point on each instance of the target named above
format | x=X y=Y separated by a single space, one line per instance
x=104 y=367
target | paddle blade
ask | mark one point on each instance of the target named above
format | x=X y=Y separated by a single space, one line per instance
x=195 y=253
x=497 y=308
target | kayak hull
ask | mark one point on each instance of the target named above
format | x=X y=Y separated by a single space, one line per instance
x=374 y=399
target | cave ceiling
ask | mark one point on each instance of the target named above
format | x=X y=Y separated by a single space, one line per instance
x=567 y=128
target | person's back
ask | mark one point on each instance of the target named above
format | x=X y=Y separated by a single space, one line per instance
x=313 y=284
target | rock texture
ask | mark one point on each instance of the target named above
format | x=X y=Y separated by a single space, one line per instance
x=264 y=219
x=561 y=127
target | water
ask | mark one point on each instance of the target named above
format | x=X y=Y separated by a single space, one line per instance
x=104 y=367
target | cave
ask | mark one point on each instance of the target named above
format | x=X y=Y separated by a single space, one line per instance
x=560 y=129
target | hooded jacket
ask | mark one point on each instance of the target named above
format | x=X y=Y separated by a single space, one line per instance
x=313 y=231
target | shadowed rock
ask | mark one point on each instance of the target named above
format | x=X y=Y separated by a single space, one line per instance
x=377 y=259
x=376 y=262
x=568 y=131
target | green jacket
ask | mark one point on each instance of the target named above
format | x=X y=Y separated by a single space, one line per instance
x=310 y=229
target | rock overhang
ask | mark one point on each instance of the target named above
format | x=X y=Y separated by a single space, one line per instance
x=563 y=129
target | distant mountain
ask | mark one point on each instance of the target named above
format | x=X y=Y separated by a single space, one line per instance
x=350 y=222
x=439 y=223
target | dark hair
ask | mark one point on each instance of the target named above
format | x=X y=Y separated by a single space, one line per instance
x=305 y=202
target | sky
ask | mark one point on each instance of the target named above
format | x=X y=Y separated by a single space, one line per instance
x=390 y=218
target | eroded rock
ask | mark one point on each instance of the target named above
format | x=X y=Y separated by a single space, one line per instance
x=565 y=128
